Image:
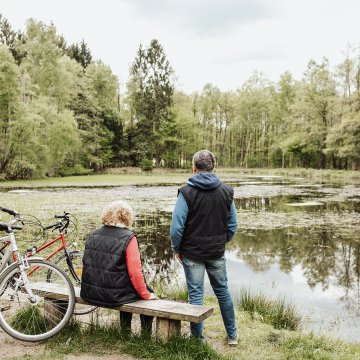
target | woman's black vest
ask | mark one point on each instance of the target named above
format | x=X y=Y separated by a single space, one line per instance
x=206 y=225
x=105 y=279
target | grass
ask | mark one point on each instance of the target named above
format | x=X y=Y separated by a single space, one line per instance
x=317 y=348
x=179 y=176
x=257 y=341
x=21 y=321
x=174 y=291
x=279 y=313
x=176 y=349
x=77 y=339
x=103 y=180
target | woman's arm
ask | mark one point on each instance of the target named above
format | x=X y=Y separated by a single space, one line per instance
x=134 y=267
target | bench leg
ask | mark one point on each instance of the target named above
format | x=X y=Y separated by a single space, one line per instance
x=54 y=310
x=167 y=329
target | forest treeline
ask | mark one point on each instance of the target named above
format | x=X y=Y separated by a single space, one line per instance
x=62 y=113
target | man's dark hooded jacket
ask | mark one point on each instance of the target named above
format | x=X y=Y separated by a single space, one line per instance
x=206 y=228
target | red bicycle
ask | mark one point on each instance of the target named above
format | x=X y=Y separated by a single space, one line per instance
x=70 y=261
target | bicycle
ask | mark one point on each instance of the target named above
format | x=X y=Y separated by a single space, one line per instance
x=70 y=261
x=27 y=314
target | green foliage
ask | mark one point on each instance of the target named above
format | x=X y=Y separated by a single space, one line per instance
x=9 y=94
x=344 y=139
x=278 y=313
x=99 y=118
x=310 y=347
x=81 y=53
x=20 y=170
x=151 y=89
x=146 y=165
x=21 y=323
x=49 y=135
x=111 y=338
x=174 y=291
x=75 y=170
x=176 y=349
x=60 y=108
x=12 y=39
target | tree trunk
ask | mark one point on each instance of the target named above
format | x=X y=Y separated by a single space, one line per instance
x=355 y=166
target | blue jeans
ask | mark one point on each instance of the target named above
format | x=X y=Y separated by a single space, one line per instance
x=216 y=270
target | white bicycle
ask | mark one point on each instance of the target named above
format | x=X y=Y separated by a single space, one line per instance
x=25 y=312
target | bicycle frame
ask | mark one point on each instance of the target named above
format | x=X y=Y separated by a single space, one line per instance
x=8 y=251
x=62 y=246
x=10 y=242
x=11 y=251
x=34 y=250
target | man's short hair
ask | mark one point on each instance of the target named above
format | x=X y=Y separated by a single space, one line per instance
x=204 y=160
x=118 y=212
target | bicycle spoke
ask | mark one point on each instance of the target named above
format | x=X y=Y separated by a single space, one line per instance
x=44 y=317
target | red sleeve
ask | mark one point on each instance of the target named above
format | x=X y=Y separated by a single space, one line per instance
x=134 y=267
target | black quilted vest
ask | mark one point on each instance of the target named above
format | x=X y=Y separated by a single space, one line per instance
x=105 y=279
x=205 y=231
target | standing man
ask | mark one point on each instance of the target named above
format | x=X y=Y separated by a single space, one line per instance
x=203 y=221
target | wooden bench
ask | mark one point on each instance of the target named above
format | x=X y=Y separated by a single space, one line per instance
x=168 y=314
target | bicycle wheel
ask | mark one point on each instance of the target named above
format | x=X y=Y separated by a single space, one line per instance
x=75 y=276
x=44 y=316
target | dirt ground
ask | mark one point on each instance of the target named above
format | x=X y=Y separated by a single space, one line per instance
x=10 y=348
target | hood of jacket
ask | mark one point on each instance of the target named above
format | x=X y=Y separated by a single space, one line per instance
x=204 y=181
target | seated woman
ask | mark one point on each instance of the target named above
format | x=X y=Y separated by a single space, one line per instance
x=112 y=272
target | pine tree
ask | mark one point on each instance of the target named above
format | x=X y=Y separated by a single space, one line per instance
x=151 y=90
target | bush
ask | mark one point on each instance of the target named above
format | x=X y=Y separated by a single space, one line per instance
x=76 y=170
x=146 y=165
x=20 y=170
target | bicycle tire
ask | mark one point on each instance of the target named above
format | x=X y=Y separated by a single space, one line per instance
x=76 y=259
x=43 y=319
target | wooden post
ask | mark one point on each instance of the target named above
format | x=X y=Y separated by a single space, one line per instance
x=54 y=310
x=167 y=329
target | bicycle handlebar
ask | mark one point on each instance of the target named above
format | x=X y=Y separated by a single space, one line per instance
x=4 y=227
x=65 y=216
x=58 y=225
x=63 y=224
x=9 y=211
x=16 y=227
x=9 y=227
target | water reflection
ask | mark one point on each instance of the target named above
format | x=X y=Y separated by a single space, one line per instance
x=326 y=259
x=327 y=256
x=299 y=202
x=310 y=254
x=152 y=230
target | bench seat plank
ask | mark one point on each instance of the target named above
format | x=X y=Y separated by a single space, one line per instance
x=172 y=310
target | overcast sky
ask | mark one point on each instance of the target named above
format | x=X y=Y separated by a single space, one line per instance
x=216 y=41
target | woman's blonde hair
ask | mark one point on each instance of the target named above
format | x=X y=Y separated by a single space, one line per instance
x=118 y=212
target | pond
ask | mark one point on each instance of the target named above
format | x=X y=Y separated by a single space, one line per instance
x=296 y=239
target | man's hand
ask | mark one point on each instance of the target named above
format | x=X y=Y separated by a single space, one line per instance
x=153 y=297
x=179 y=257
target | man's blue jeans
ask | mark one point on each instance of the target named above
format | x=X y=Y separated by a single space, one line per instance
x=216 y=270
